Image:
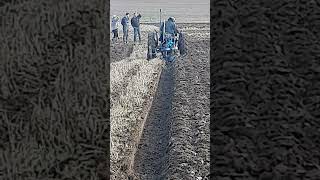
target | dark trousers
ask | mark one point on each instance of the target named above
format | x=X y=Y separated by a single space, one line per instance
x=136 y=32
x=115 y=33
x=125 y=33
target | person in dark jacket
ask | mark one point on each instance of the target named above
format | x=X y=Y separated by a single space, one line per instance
x=125 y=27
x=135 y=22
x=170 y=28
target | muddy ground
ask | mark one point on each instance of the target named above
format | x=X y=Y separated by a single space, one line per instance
x=189 y=141
x=120 y=51
x=136 y=90
x=175 y=138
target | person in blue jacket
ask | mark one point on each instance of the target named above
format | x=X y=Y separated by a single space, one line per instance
x=125 y=27
x=170 y=28
x=135 y=22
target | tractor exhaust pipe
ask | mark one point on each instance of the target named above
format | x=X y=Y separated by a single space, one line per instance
x=163 y=30
x=160 y=18
x=164 y=26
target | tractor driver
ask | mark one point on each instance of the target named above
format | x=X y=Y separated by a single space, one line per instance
x=170 y=28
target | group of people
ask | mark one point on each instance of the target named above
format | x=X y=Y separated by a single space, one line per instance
x=169 y=27
x=135 y=23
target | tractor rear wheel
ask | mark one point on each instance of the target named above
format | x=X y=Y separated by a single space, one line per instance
x=152 y=45
x=182 y=44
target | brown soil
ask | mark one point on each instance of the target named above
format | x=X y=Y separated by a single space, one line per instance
x=124 y=150
x=120 y=51
x=152 y=150
x=175 y=140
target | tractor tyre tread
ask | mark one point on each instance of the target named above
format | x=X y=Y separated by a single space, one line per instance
x=152 y=44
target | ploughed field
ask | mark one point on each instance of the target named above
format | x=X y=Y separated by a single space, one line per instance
x=164 y=131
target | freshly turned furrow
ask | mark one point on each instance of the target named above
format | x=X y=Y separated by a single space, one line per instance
x=189 y=152
x=175 y=139
x=133 y=84
x=152 y=150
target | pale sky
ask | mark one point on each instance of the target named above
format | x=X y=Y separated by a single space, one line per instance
x=182 y=10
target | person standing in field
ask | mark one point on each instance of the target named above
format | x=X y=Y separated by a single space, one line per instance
x=114 y=27
x=125 y=26
x=135 y=22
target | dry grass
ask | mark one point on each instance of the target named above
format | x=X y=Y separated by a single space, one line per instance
x=132 y=82
x=53 y=97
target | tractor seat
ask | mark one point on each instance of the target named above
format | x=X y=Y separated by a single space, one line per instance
x=169 y=36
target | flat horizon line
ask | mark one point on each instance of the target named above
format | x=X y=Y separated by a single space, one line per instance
x=177 y=23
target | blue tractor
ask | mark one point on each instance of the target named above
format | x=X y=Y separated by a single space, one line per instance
x=167 y=44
